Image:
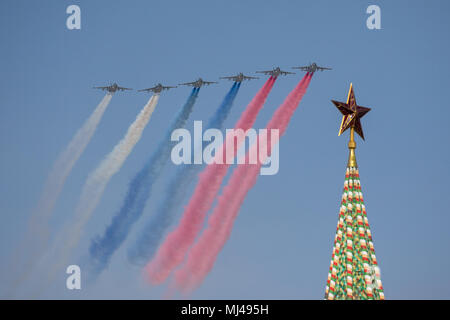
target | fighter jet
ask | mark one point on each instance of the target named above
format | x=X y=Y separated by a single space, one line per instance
x=156 y=89
x=198 y=83
x=113 y=88
x=312 y=67
x=239 y=77
x=275 y=72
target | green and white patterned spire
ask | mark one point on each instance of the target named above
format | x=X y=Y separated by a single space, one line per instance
x=354 y=271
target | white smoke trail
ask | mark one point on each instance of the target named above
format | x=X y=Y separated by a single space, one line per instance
x=37 y=234
x=96 y=182
x=67 y=160
x=92 y=191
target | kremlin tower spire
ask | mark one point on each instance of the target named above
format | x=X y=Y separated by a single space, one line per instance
x=354 y=273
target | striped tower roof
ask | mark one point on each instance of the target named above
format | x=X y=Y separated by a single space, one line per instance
x=354 y=271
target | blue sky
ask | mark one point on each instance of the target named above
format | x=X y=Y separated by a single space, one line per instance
x=282 y=241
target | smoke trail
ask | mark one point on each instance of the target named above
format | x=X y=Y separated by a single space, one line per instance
x=203 y=254
x=97 y=181
x=174 y=248
x=152 y=234
x=102 y=248
x=37 y=234
x=67 y=160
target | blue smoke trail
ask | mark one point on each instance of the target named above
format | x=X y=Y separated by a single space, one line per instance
x=155 y=229
x=139 y=190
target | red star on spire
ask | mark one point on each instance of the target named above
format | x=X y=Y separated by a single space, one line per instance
x=352 y=113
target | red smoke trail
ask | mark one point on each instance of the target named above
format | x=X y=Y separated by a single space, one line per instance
x=203 y=254
x=177 y=243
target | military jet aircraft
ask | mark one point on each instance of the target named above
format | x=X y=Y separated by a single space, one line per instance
x=156 y=89
x=312 y=67
x=239 y=77
x=198 y=83
x=113 y=88
x=275 y=72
